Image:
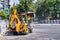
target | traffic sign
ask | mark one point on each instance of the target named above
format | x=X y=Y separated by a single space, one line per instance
x=6 y=10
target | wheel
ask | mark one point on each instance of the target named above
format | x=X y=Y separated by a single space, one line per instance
x=30 y=30
x=14 y=33
x=20 y=33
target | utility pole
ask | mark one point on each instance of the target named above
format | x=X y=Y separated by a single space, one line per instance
x=9 y=4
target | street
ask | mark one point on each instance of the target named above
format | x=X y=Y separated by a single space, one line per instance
x=40 y=32
x=29 y=19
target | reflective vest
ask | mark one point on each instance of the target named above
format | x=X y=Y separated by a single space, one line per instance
x=23 y=19
x=29 y=18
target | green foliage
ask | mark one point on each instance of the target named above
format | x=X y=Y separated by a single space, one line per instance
x=14 y=7
x=41 y=11
x=51 y=1
x=24 y=6
x=3 y=14
x=27 y=5
x=48 y=8
x=58 y=1
x=51 y=8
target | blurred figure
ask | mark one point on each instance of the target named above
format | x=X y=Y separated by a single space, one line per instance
x=23 y=21
x=0 y=30
x=29 y=20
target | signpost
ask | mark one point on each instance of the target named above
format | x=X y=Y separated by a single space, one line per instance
x=6 y=10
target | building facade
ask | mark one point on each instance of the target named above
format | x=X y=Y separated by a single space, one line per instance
x=4 y=4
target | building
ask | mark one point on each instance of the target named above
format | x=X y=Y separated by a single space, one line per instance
x=0 y=6
x=8 y=3
x=4 y=4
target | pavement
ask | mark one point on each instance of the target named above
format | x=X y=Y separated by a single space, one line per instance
x=40 y=32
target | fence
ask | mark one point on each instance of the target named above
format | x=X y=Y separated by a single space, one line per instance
x=48 y=21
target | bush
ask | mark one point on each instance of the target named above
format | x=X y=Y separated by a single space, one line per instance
x=3 y=15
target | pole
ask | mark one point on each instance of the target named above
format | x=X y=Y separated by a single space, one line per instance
x=8 y=4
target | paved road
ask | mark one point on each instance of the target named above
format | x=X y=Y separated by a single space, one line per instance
x=40 y=32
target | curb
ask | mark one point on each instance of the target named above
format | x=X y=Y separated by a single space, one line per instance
x=44 y=24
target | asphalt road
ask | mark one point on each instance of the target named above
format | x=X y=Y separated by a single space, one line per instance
x=40 y=32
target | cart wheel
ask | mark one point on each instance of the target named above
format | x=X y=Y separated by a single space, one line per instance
x=30 y=30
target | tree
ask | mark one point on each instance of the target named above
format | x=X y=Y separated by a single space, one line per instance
x=3 y=14
x=48 y=8
x=42 y=10
x=25 y=6
x=54 y=9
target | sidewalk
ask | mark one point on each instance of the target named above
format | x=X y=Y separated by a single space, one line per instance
x=1 y=35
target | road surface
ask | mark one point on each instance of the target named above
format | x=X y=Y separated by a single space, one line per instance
x=40 y=32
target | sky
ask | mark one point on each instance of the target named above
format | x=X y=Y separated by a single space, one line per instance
x=16 y=2
x=35 y=1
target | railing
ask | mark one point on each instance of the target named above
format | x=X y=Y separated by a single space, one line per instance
x=48 y=21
